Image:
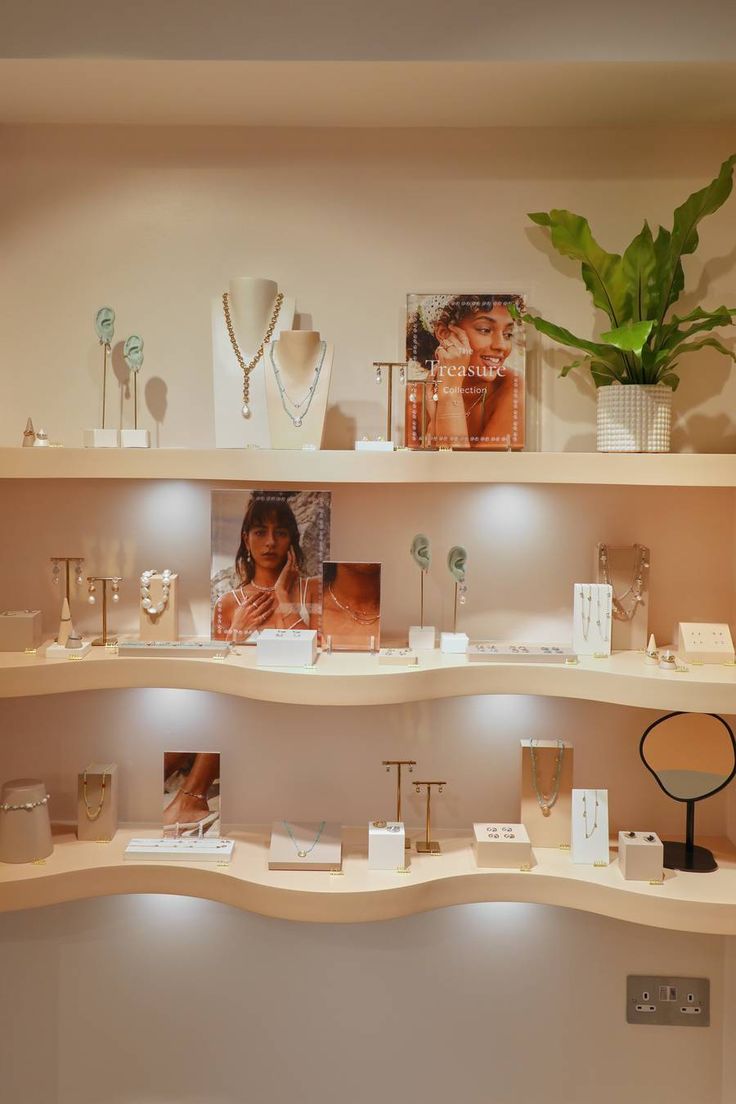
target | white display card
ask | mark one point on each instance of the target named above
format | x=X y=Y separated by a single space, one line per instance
x=312 y=845
x=704 y=642
x=374 y=446
x=641 y=856
x=502 y=844
x=386 y=845
x=286 y=648
x=590 y=826
x=397 y=657
x=182 y=849
x=489 y=651
x=591 y=619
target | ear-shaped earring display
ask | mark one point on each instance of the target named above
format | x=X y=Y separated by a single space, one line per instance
x=457 y=559
x=421 y=551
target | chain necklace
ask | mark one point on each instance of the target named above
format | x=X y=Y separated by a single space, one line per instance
x=248 y=367
x=635 y=592
x=585 y=620
x=547 y=801
x=590 y=833
x=303 y=853
x=299 y=415
x=359 y=616
x=92 y=814
x=6 y=807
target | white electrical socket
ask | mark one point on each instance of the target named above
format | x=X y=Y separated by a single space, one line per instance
x=667 y=1001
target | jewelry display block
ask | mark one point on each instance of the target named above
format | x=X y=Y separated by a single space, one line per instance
x=25 y=827
x=312 y=845
x=590 y=826
x=704 y=642
x=641 y=856
x=101 y=438
x=591 y=619
x=20 y=629
x=205 y=649
x=165 y=625
x=454 y=643
x=501 y=652
x=97 y=808
x=397 y=657
x=60 y=651
x=135 y=438
x=286 y=648
x=374 y=446
x=386 y=845
x=422 y=638
x=538 y=774
x=626 y=568
x=182 y=850
x=502 y=844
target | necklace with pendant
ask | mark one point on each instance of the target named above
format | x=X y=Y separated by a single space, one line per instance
x=297 y=418
x=545 y=801
x=635 y=592
x=303 y=852
x=590 y=833
x=359 y=616
x=248 y=366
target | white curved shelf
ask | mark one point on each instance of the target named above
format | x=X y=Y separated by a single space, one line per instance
x=684 y=902
x=357 y=679
x=261 y=466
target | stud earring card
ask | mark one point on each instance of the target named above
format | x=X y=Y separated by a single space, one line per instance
x=591 y=619
x=590 y=827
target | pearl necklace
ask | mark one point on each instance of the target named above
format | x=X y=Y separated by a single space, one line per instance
x=28 y=805
x=547 y=801
x=146 y=600
x=248 y=368
x=360 y=617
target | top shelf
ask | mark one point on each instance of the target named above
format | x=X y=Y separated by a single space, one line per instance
x=263 y=466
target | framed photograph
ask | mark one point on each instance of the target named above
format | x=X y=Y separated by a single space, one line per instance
x=191 y=794
x=351 y=606
x=267 y=553
x=466 y=358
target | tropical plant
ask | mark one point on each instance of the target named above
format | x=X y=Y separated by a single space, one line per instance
x=637 y=291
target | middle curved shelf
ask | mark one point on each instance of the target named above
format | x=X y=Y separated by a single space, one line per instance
x=354 y=679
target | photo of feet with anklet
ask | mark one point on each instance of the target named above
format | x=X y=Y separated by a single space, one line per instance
x=191 y=805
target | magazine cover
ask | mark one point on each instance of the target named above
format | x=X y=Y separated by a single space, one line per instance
x=191 y=793
x=351 y=608
x=267 y=553
x=466 y=369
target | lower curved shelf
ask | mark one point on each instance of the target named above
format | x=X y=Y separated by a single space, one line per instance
x=703 y=903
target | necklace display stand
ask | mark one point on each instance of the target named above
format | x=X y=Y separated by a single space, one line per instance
x=25 y=827
x=302 y=361
x=251 y=300
x=312 y=845
x=165 y=625
x=590 y=827
x=97 y=802
x=543 y=784
x=591 y=619
x=627 y=570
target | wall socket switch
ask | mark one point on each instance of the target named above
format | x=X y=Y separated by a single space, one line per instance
x=667 y=1001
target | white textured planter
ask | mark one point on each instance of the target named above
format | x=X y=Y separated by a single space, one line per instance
x=634 y=417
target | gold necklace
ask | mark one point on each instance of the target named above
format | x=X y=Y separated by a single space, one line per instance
x=93 y=814
x=248 y=367
x=359 y=616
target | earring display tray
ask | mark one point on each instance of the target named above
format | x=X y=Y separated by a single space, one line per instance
x=215 y=849
x=502 y=845
x=397 y=657
x=208 y=649
x=286 y=648
x=704 y=642
x=489 y=651
x=640 y=856
x=20 y=629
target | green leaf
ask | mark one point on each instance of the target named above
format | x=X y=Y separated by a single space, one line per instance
x=603 y=374
x=630 y=338
x=692 y=347
x=566 y=337
x=639 y=268
x=671 y=380
x=541 y=218
x=703 y=320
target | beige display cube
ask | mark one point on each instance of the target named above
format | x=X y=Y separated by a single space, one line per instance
x=305 y=851
x=165 y=626
x=553 y=830
x=641 y=856
x=19 y=630
x=25 y=826
x=104 y=825
x=502 y=845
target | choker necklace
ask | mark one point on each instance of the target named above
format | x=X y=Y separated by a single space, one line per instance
x=359 y=616
x=301 y=852
x=146 y=602
x=635 y=591
x=248 y=367
x=299 y=415
x=546 y=802
x=92 y=814
x=588 y=834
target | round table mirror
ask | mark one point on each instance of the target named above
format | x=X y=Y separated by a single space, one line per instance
x=692 y=756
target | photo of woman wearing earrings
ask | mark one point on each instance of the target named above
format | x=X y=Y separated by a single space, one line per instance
x=279 y=539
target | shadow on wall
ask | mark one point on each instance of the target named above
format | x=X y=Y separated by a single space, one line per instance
x=156 y=396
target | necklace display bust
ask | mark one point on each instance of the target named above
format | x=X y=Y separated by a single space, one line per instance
x=298 y=370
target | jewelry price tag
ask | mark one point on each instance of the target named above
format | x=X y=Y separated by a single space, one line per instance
x=655 y=882
x=403 y=870
x=38 y=862
x=525 y=868
x=30 y=651
x=75 y=658
x=337 y=873
x=600 y=863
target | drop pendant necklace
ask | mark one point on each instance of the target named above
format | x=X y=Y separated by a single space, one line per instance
x=247 y=366
x=293 y=407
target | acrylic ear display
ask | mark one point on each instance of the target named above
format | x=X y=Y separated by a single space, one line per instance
x=456 y=642
x=421 y=636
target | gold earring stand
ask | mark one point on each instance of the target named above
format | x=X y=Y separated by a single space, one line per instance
x=428 y=846
x=399 y=763
x=104 y=640
x=66 y=560
x=389 y=365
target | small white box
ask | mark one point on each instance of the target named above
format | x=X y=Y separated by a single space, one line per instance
x=19 y=630
x=502 y=844
x=397 y=657
x=101 y=438
x=286 y=648
x=386 y=841
x=135 y=438
x=454 y=643
x=374 y=446
x=59 y=651
x=641 y=856
x=704 y=642
x=422 y=638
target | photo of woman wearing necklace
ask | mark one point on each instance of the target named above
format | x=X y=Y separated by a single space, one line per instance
x=466 y=358
x=351 y=606
x=275 y=580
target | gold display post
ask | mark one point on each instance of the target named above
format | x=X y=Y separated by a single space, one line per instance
x=105 y=352
x=399 y=763
x=389 y=365
x=115 y=581
x=428 y=846
x=78 y=562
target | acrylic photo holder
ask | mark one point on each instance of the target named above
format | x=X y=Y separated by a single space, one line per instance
x=591 y=619
x=191 y=794
x=633 y=634
x=552 y=830
x=590 y=827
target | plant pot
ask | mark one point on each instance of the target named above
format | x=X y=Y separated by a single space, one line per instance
x=634 y=417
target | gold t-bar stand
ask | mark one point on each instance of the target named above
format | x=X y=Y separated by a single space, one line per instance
x=115 y=581
x=399 y=763
x=428 y=846
x=389 y=365
x=78 y=562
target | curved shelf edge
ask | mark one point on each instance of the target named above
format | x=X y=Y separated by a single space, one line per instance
x=76 y=871
x=358 y=680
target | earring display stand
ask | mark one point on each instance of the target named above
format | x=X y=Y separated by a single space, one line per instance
x=626 y=569
x=428 y=846
x=114 y=581
x=590 y=827
x=399 y=764
x=164 y=625
x=542 y=782
x=67 y=641
x=389 y=367
x=97 y=802
x=592 y=615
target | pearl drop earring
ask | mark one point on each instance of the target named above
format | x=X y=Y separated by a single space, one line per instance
x=116 y=590
x=91 y=593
